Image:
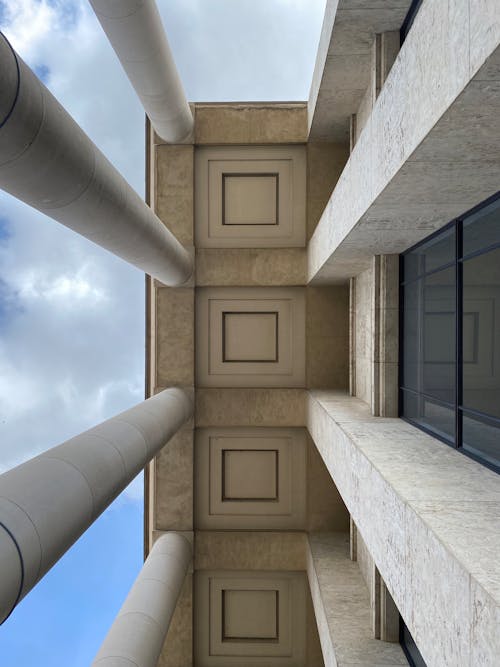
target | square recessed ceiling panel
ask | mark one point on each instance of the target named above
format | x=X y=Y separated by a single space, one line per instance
x=250 y=478
x=250 y=337
x=250 y=618
x=250 y=197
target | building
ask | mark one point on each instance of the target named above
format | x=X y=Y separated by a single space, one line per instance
x=339 y=338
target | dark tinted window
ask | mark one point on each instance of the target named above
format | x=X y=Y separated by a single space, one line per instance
x=450 y=372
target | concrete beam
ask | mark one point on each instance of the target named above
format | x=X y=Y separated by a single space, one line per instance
x=137 y=635
x=429 y=518
x=47 y=161
x=136 y=33
x=430 y=149
x=344 y=61
x=49 y=501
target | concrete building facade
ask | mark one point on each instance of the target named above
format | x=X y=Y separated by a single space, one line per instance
x=336 y=479
x=296 y=466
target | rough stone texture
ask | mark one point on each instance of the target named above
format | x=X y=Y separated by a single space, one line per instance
x=343 y=65
x=429 y=517
x=374 y=342
x=364 y=334
x=250 y=550
x=342 y=606
x=365 y=561
x=325 y=162
x=250 y=407
x=173 y=506
x=314 y=655
x=174 y=190
x=485 y=638
x=325 y=508
x=247 y=123
x=327 y=337
x=174 y=336
x=245 y=267
x=484 y=29
x=429 y=151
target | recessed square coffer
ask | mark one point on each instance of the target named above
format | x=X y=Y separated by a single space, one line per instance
x=250 y=196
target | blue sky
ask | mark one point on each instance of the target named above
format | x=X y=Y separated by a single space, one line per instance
x=72 y=315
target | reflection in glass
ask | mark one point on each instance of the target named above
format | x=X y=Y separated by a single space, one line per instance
x=452 y=388
x=482 y=229
x=481 y=439
x=432 y=416
x=481 y=333
x=438 y=339
x=430 y=255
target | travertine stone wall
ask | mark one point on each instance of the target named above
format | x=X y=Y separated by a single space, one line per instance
x=325 y=162
x=385 y=48
x=170 y=362
x=374 y=321
x=327 y=337
x=251 y=123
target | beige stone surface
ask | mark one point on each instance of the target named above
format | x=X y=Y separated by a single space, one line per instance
x=228 y=406
x=269 y=348
x=364 y=334
x=250 y=478
x=174 y=189
x=251 y=123
x=173 y=506
x=278 y=176
x=485 y=638
x=175 y=336
x=178 y=647
x=343 y=65
x=365 y=561
x=429 y=517
x=247 y=267
x=342 y=606
x=327 y=337
x=484 y=30
x=325 y=162
x=437 y=601
x=250 y=550
x=325 y=507
x=394 y=190
x=313 y=648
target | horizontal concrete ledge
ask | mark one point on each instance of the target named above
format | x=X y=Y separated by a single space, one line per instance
x=342 y=607
x=430 y=519
x=430 y=149
x=343 y=63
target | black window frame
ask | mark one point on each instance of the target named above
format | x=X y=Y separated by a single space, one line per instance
x=459 y=258
x=408 y=22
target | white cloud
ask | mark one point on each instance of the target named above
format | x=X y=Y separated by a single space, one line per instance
x=71 y=315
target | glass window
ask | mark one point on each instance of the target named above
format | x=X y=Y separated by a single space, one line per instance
x=451 y=387
x=430 y=255
x=482 y=229
x=481 y=333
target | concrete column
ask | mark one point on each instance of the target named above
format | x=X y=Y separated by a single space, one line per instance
x=138 y=632
x=49 y=501
x=136 y=33
x=47 y=161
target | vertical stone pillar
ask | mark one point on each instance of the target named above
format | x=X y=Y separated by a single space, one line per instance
x=138 y=632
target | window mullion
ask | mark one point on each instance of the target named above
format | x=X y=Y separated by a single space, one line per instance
x=459 y=334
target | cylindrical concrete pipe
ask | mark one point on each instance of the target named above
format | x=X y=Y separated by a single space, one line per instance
x=49 y=501
x=136 y=33
x=136 y=637
x=47 y=161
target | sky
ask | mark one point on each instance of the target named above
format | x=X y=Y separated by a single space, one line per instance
x=71 y=314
